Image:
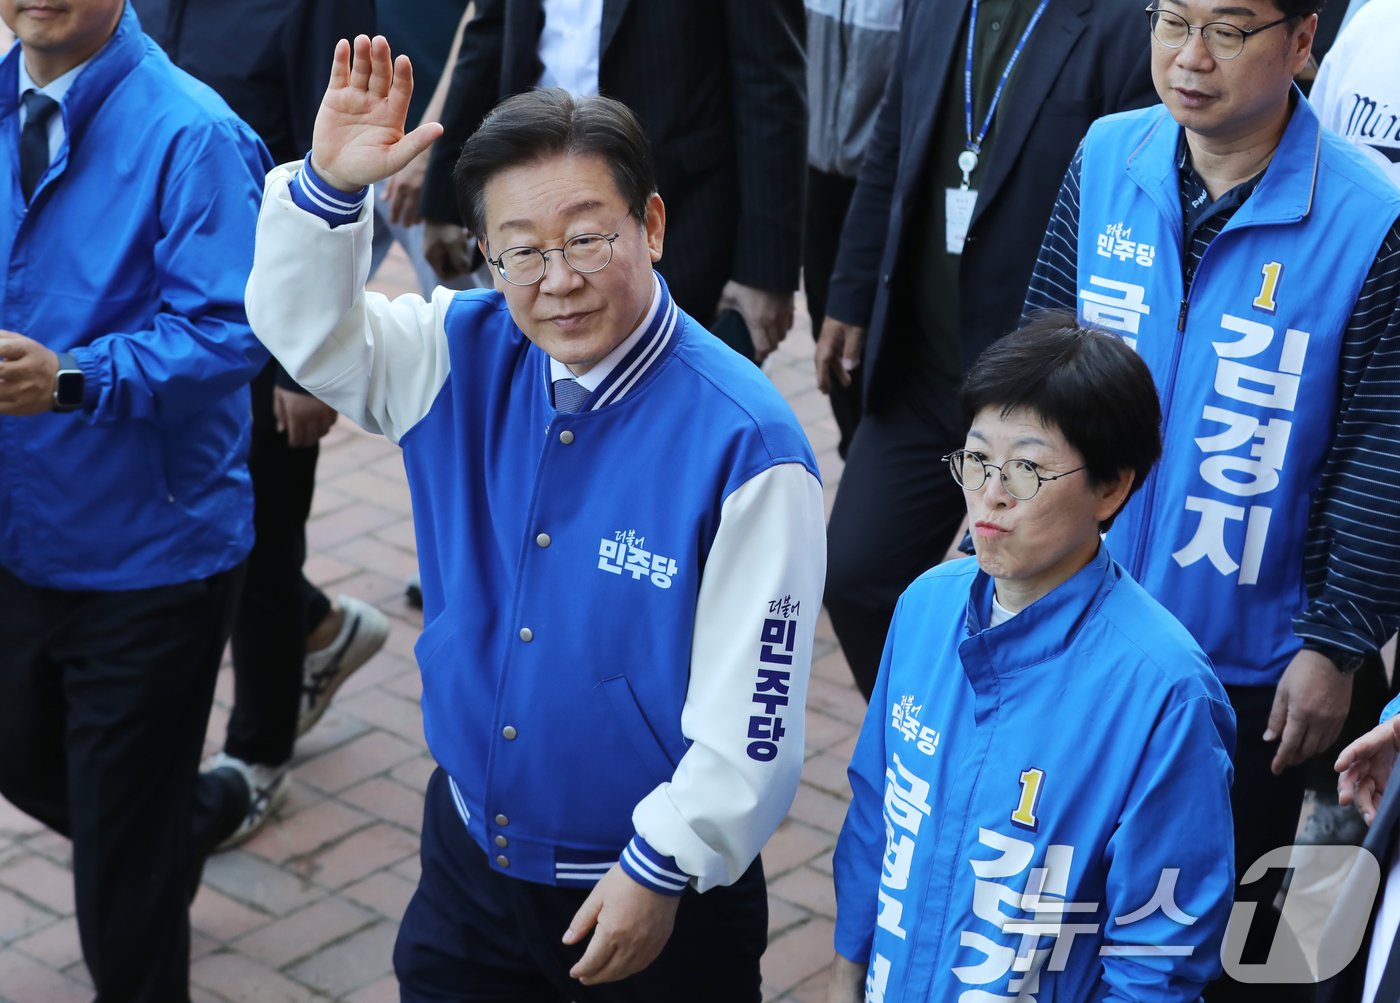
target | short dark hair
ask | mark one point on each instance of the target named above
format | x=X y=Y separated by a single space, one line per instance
x=549 y=122
x=1299 y=8
x=1087 y=383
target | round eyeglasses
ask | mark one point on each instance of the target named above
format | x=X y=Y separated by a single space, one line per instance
x=1021 y=478
x=1222 y=39
x=585 y=253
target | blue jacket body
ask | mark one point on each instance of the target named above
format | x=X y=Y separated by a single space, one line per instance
x=1067 y=768
x=132 y=255
x=538 y=638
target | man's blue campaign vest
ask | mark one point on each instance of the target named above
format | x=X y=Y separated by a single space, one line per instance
x=1247 y=363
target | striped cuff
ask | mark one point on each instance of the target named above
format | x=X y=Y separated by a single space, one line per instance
x=651 y=869
x=311 y=192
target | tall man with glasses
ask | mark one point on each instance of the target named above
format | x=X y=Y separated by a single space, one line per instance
x=620 y=533
x=1251 y=257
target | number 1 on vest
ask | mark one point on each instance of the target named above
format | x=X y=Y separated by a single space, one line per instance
x=1024 y=815
x=1265 y=300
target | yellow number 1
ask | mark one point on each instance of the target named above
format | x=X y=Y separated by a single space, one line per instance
x=1265 y=300
x=1024 y=815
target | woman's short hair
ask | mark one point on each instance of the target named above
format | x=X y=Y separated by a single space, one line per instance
x=549 y=122
x=1087 y=383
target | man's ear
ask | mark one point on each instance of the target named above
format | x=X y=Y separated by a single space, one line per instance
x=1303 y=37
x=656 y=226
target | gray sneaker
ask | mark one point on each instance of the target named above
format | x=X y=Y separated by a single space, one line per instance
x=363 y=630
x=267 y=786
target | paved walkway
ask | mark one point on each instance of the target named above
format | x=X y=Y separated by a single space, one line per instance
x=308 y=909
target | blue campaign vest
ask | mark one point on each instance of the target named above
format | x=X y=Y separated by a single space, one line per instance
x=553 y=683
x=1247 y=364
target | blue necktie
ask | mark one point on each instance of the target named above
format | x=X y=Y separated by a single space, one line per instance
x=34 y=140
x=569 y=394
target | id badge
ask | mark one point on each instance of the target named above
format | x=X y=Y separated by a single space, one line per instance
x=958 y=205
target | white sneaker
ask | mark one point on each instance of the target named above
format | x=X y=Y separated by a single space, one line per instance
x=363 y=630
x=267 y=785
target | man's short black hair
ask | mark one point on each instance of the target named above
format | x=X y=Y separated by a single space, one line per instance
x=1299 y=8
x=1087 y=383
x=549 y=122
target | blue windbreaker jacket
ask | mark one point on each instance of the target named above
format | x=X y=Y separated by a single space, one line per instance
x=1067 y=769
x=132 y=255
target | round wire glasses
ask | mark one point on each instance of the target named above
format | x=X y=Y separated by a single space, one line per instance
x=1222 y=39
x=585 y=253
x=1021 y=478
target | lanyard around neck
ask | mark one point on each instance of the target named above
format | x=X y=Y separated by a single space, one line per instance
x=967 y=159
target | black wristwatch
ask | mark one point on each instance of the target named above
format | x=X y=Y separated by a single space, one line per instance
x=1347 y=661
x=68 y=385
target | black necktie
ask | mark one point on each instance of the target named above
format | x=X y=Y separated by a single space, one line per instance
x=34 y=140
x=569 y=394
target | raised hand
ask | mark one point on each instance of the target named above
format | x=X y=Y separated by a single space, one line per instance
x=359 y=134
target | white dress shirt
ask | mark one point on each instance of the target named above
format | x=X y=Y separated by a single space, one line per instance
x=570 y=45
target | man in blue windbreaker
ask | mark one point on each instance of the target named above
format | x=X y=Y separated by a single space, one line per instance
x=1250 y=256
x=125 y=511
x=619 y=526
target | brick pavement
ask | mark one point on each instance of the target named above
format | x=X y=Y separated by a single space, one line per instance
x=307 y=910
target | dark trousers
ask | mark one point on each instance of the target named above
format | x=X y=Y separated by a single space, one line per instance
x=895 y=515
x=472 y=934
x=828 y=198
x=278 y=607
x=104 y=700
x=1265 y=809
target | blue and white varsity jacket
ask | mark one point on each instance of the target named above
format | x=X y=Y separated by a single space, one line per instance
x=1247 y=363
x=1039 y=807
x=620 y=602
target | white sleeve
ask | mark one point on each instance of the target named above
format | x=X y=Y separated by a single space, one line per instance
x=745 y=706
x=378 y=361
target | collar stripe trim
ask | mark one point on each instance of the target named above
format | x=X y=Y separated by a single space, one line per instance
x=648 y=352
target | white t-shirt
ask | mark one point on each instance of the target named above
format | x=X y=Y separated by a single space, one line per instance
x=1357 y=91
x=1000 y=614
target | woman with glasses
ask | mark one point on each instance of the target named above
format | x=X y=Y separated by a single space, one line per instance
x=1041 y=789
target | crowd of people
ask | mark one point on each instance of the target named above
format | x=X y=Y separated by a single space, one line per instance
x=1113 y=555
